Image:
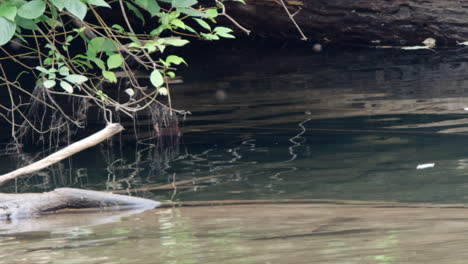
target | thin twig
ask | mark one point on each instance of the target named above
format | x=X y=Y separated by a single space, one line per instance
x=293 y=20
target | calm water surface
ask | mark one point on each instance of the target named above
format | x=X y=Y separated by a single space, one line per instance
x=276 y=124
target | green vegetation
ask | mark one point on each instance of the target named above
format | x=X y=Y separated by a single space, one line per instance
x=71 y=54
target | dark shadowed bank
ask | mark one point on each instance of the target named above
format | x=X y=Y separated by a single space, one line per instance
x=403 y=22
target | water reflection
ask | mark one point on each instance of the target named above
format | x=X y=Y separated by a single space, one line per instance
x=350 y=125
x=350 y=232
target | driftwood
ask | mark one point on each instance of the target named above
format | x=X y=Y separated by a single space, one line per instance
x=26 y=205
x=16 y=206
x=402 y=22
x=107 y=132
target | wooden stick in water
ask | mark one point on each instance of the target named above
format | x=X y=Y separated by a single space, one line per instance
x=107 y=132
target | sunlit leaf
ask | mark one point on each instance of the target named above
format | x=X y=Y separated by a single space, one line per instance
x=210 y=36
x=202 y=23
x=76 y=78
x=99 y=63
x=98 y=3
x=110 y=76
x=191 y=12
x=156 y=78
x=178 y=42
x=8 y=11
x=42 y=69
x=66 y=86
x=178 y=23
x=163 y=91
x=77 y=8
x=223 y=32
x=183 y=3
x=32 y=9
x=149 y=5
x=170 y=74
x=130 y=92
x=7 y=30
x=115 y=61
x=64 y=71
x=60 y=4
x=211 y=13
x=49 y=83
x=173 y=59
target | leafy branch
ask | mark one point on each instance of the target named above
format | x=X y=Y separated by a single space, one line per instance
x=80 y=50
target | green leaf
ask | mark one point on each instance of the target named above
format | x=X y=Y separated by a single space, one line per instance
x=178 y=23
x=25 y=23
x=115 y=61
x=119 y=28
x=210 y=36
x=7 y=30
x=223 y=32
x=178 y=42
x=66 y=86
x=76 y=78
x=109 y=76
x=60 y=4
x=69 y=38
x=8 y=11
x=173 y=15
x=191 y=29
x=21 y=37
x=49 y=83
x=211 y=13
x=202 y=23
x=102 y=95
x=156 y=78
x=42 y=69
x=152 y=46
x=51 y=76
x=183 y=3
x=96 y=44
x=64 y=71
x=99 y=44
x=99 y=63
x=159 y=30
x=48 y=61
x=191 y=12
x=98 y=3
x=173 y=59
x=137 y=12
x=32 y=9
x=149 y=5
x=77 y=8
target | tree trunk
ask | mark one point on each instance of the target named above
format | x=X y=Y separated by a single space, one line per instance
x=376 y=22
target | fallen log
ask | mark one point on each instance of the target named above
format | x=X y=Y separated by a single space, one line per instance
x=26 y=205
x=377 y=22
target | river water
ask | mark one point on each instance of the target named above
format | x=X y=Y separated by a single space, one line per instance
x=332 y=140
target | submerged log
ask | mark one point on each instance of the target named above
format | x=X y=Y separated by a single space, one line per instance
x=402 y=22
x=15 y=206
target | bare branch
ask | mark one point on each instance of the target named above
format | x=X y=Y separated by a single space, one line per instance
x=107 y=132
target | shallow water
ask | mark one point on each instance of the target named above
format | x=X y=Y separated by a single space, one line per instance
x=279 y=124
